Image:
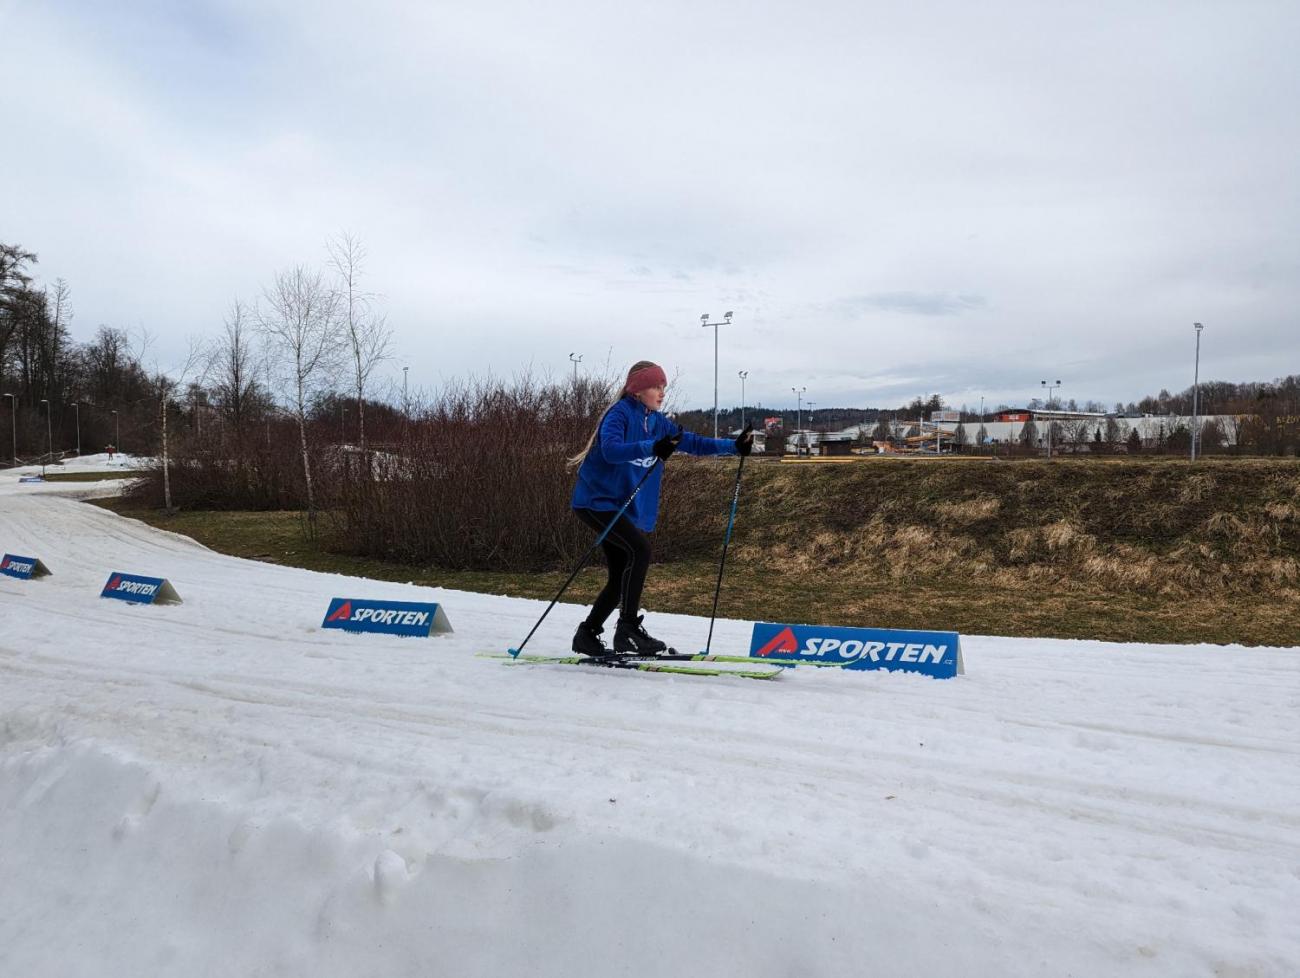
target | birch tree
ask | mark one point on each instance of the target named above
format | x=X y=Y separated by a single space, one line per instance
x=301 y=327
x=164 y=385
x=365 y=329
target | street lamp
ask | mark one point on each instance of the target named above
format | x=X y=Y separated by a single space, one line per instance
x=117 y=433
x=1196 y=392
x=13 y=410
x=726 y=321
x=1050 y=387
x=806 y=443
x=76 y=407
x=798 y=424
x=406 y=404
x=742 y=374
x=49 y=436
x=575 y=360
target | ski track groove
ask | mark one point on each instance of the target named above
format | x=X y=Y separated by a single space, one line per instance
x=977 y=784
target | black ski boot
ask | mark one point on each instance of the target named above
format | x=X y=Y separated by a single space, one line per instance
x=586 y=641
x=631 y=638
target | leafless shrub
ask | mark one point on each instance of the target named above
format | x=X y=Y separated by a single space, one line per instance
x=479 y=481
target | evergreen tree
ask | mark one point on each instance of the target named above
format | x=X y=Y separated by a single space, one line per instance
x=1112 y=434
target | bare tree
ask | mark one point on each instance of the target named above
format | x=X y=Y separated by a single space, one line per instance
x=365 y=329
x=164 y=385
x=234 y=368
x=13 y=282
x=301 y=328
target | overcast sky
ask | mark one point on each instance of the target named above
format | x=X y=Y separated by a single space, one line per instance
x=893 y=199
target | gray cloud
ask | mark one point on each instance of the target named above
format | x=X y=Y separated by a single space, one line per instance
x=915 y=303
x=892 y=200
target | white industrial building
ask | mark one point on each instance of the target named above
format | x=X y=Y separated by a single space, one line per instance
x=1069 y=428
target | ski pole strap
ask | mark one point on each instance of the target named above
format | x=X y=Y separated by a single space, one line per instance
x=585 y=557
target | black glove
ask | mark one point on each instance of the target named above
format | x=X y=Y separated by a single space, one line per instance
x=745 y=441
x=666 y=445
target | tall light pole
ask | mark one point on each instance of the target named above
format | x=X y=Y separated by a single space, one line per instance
x=76 y=407
x=117 y=434
x=406 y=403
x=49 y=436
x=806 y=443
x=742 y=374
x=726 y=321
x=13 y=410
x=1196 y=395
x=1050 y=387
x=798 y=424
x=575 y=359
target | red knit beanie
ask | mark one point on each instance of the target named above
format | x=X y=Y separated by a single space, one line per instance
x=645 y=378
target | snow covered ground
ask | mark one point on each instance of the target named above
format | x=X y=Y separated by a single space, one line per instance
x=221 y=788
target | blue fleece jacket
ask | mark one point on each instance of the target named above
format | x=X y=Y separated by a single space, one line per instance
x=620 y=455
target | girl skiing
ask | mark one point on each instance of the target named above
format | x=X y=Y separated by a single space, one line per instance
x=632 y=436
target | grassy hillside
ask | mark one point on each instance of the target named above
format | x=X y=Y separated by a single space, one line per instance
x=1133 y=550
x=1158 y=527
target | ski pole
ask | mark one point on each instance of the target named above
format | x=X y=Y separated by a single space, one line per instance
x=585 y=557
x=735 y=498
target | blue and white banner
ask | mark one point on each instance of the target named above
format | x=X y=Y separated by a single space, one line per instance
x=139 y=590
x=416 y=619
x=23 y=568
x=936 y=654
x=31 y=478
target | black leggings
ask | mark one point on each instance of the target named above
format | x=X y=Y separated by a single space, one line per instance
x=627 y=551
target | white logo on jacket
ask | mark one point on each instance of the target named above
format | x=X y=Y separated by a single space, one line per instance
x=644 y=463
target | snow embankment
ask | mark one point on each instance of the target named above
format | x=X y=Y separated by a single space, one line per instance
x=221 y=788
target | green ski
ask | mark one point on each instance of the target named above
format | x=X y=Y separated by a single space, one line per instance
x=679 y=666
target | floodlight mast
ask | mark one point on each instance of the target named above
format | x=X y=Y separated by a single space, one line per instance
x=726 y=321
x=1196 y=396
x=798 y=392
x=1050 y=387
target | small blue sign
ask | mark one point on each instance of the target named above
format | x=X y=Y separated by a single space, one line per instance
x=31 y=478
x=936 y=654
x=139 y=590
x=417 y=619
x=23 y=568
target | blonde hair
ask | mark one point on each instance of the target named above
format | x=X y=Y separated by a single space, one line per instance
x=576 y=460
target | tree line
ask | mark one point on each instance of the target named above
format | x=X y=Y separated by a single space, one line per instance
x=302 y=355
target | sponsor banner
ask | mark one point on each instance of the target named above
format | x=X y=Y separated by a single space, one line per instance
x=418 y=619
x=139 y=590
x=936 y=654
x=31 y=478
x=23 y=568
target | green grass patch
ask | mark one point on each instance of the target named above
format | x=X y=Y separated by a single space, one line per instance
x=860 y=594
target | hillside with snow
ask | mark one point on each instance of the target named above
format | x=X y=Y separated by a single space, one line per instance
x=222 y=788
